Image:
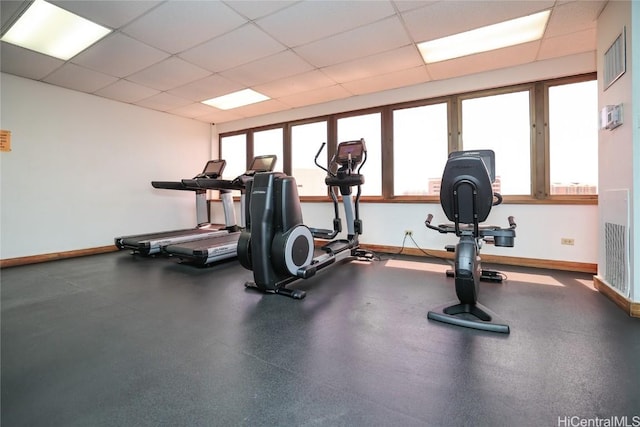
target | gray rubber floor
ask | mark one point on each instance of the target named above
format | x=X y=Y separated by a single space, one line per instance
x=116 y=340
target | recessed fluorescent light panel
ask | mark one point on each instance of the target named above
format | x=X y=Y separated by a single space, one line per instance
x=236 y=99
x=496 y=36
x=51 y=30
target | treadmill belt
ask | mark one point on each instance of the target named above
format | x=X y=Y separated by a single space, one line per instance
x=206 y=250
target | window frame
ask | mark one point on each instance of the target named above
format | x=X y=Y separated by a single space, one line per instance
x=533 y=142
x=546 y=190
x=453 y=137
x=539 y=142
x=289 y=148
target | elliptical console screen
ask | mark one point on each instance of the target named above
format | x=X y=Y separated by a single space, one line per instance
x=353 y=148
x=263 y=163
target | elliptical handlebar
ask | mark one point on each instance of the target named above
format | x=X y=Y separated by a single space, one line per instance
x=315 y=160
x=364 y=160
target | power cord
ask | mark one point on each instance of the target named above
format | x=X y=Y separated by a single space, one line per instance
x=448 y=261
x=430 y=255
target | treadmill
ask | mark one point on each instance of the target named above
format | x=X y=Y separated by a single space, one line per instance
x=207 y=250
x=152 y=243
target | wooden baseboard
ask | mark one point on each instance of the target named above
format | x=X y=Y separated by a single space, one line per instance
x=581 y=267
x=13 y=262
x=628 y=306
x=493 y=259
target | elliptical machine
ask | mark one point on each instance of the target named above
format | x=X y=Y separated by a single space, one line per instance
x=466 y=196
x=278 y=247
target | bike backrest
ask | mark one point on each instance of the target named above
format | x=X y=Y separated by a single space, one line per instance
x=464 y=174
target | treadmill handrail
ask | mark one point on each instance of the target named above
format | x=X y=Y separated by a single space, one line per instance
x=214 y=184
x=174 y=185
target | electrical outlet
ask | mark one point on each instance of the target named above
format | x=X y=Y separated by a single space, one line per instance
x=567 y=241
x=408 y=232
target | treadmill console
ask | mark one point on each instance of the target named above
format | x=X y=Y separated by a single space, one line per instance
x=213 y=169
x=264 y=163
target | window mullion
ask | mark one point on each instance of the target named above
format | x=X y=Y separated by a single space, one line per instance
x=539 y=143
x=387 y=153
x=455 y=124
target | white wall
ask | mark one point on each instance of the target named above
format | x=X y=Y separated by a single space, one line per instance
x=80 y=169
x=540 y=227
x=541 y=70
x=616 y=152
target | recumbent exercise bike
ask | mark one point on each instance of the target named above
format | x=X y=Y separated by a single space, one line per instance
x=278 y=247
x=466 y=196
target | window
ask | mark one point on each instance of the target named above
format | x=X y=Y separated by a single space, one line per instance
x=306 y=140
x=573 y=138
x=233 y=149
x=420 y=141
x=269 y=142
x=369 y=127
x=501 y=123
x=535 y=129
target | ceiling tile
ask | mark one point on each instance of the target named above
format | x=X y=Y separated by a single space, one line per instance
x=111 y=13
x=445 y=18
x=300 y=83
x=183 y=24
x=259 y=108
x=170 y=54
x=392 y=80
x=405 y=5
x=192 y=110
x=573 y=17
x=307 y=21
x=245 y=44
x=126 y=91
x=569 y=44
x=382 y=63
x=119 y=55
x=218 y=116
x=163 y=102
x=316 y=96
x=206 y=88
x=254 y=9
x=26 y=63
x=78 y=78
x=11 y=10
x=493 y=60
x=363 y=41
x=169 y=74
x=273 y=68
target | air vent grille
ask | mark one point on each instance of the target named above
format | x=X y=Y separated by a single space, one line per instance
x=615 y=63
x=615 y=245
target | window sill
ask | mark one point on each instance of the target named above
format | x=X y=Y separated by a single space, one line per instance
x=507 y=200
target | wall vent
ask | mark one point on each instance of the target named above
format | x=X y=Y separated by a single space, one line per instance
x=615 y=254
x=615 y=62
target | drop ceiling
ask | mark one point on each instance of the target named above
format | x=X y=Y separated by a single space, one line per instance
x=171 y=55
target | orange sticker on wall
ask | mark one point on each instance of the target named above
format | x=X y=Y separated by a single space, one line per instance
x=5 y=140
